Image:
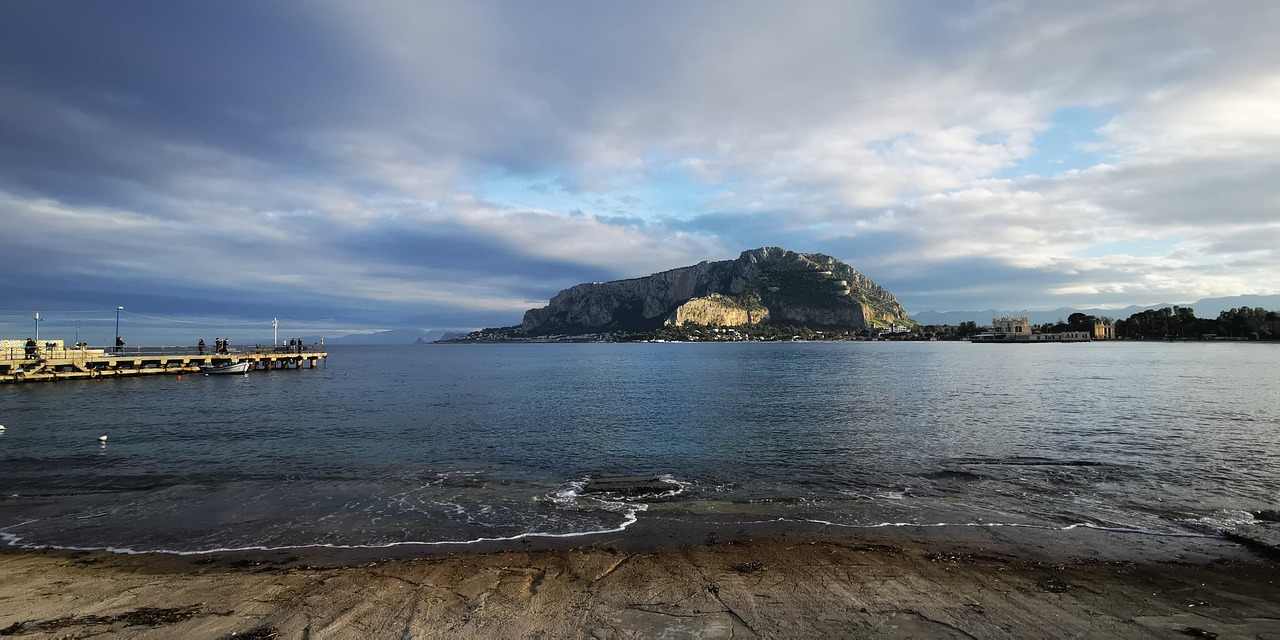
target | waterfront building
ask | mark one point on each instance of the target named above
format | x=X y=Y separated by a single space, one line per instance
x=1011 y=326
x=1018 y=329
x=1104 y=329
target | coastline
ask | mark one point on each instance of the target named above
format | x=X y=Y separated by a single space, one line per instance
x=734 y=581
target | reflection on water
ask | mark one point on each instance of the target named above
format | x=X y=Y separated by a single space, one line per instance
x=459 y=442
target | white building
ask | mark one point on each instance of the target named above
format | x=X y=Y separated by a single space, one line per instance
x=1012 y=326
x=1018 y=329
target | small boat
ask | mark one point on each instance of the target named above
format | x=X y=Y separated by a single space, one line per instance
x=239 y=368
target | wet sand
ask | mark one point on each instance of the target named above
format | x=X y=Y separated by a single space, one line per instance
x=964 y=582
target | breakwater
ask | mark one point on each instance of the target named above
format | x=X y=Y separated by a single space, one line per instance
x=52 y=365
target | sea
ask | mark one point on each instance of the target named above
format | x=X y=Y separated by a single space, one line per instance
x=421 y=445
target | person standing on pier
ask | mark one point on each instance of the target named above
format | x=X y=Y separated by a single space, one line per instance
x=200 y=346
x=119 y=344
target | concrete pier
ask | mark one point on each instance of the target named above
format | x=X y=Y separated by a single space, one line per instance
x=50 y=365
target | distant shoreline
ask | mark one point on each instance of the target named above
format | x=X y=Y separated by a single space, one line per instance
x=591 y=339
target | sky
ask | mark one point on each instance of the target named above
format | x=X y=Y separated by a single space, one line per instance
x=349 y=166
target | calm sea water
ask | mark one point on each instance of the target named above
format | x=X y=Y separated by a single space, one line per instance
x=463 y=442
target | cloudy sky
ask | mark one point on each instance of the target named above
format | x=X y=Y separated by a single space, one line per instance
x=364 y=165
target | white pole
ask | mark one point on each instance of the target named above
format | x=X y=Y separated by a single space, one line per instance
x=37 y=318
x=275 y=332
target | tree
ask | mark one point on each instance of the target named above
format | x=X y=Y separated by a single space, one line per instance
x=1079 y=322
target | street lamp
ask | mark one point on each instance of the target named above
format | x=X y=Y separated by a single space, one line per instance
x=37 y=319
x=275 y=332
x=117 y=345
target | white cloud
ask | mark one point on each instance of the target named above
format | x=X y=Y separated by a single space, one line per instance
x=817 y=123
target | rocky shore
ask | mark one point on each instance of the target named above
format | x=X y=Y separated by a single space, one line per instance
x=964 y=582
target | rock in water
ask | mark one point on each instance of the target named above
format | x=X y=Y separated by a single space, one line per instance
x=769 y=284
x=628 y=486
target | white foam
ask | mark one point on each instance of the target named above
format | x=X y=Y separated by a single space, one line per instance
x=680 y=486
x=565 y=497
x=13 y=540
x=1021 y=525
x=632 y=516
x=1224 y=519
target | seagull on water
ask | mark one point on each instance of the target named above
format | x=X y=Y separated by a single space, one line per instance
x=102 y=438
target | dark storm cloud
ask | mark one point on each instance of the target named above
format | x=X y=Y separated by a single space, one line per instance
x=449 y=251
x=105 y=91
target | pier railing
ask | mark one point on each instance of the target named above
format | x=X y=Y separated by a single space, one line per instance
x=77 y=353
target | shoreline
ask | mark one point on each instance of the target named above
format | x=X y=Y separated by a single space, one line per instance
x=660 y=527
x=590 y=339
x=736 y=581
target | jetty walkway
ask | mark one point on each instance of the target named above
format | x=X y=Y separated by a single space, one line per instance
x=91 y=363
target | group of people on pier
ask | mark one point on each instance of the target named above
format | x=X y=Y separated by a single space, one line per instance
x=223 y=345
x=220 y=345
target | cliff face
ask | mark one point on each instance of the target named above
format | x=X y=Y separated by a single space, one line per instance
x=717 y=310
x=767 y=284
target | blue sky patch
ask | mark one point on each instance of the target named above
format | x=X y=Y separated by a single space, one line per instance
x=1061 y=147
x=669 y=191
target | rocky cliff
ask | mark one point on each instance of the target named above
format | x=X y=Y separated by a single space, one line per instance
x=717 y=310
x=769 y=284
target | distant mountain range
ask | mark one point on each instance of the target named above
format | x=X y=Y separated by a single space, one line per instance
x=1205 y=308
x=396 y=336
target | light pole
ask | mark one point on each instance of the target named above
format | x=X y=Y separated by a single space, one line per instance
x=36 y=316
x=118 y=310
x=275 y=332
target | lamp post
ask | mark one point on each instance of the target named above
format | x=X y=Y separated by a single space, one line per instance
x=275 y=332
x=36 y=317
x=117 y=343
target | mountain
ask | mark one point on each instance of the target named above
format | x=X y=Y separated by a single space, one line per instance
x=765 y=285
x=393 y=336
x=1211 y=307
x=1204 y=308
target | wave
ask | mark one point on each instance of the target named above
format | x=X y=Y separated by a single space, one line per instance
x=567 y=496
x=12 y=540
x=632 y=516
x=572 y=496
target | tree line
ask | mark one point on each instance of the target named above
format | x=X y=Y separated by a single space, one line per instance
x=1248 y=323
x=1181 y=322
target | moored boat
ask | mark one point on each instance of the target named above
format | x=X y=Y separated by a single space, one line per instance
x=238 y=368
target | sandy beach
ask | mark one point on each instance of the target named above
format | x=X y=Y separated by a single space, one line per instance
x=965 y=582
